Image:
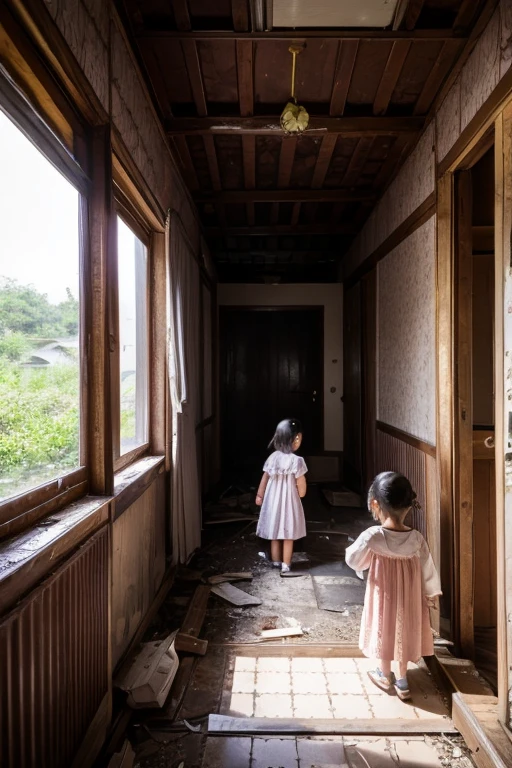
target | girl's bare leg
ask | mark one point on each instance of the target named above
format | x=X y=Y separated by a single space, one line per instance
x=287 y=551
x=402 y=669
x=385 y=667
x=276 y=550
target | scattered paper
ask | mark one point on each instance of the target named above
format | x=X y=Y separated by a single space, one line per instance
x=278 y=633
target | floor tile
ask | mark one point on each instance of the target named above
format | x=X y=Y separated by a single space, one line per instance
x=243 y=682
x=274 y=752
x=320 y=753
x=309 y=682
x=273 y=705
x=271 y=664
x=340 y=665
x=344 y=682
x=351 y=707
x=242 y=705
x=364 y=665
x=222 y=752
x=416 y=754
x=245 y=664
x=315 y=705
x=273 y=682
x=307 y=665
x=391 y=707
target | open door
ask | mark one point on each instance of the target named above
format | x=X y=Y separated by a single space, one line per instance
x=474 y=468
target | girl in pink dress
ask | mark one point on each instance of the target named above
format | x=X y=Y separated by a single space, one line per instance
x=279 y=494
x=402 y=584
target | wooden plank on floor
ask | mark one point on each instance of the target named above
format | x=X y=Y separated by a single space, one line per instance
x=280 y=649
x=196 y=611
x=223 y=725
x=477 y=719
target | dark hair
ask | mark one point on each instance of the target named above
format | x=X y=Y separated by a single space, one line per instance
x=393 y=493
x=286 y=432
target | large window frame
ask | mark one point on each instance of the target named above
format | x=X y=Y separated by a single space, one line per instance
x=16 y=512
x=135 y=221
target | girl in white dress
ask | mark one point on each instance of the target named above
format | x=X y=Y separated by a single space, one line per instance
x=279 y=494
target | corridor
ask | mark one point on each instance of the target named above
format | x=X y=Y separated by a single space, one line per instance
x=222 y=221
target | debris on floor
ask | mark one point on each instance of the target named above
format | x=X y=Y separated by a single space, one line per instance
x=234 y=595
x=274 y=634
x=223 y=577
x=147 y=677
x=341 y=498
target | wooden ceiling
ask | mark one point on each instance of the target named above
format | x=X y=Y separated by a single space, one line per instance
x=277 y=206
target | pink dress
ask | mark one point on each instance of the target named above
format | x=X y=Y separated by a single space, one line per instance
x=282 y=515
x=395 y=625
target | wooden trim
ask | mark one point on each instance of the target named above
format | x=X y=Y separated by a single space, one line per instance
x=158 y=416
x=135 y=486
x=463 y=421
x=128 y=177
x=405 y=437
x=413 y=222
x=502 y=260
x=121 y=462
x=24 y=564
x=223 y=725
x=270 y=126
x=299 y=35
x=287 y=649
x=473 y=133
x=18 y=505
x=445 y=392
x=96 y=733
x=240 y=14
x=128 y=214
x=476 y=717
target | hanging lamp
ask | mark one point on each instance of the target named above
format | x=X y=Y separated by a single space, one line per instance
x=294 y=118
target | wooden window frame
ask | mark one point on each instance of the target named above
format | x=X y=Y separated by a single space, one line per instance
x=136 y=223
x=17 y=512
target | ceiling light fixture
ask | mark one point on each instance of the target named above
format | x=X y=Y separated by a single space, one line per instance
x=294 y=119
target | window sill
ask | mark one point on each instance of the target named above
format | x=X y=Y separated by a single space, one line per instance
x=27 y=558
x=130 y=483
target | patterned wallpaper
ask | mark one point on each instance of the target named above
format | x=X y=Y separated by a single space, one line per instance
x=407 y=334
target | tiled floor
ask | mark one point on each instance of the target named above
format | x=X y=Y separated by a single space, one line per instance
x=324 y=688
x=323 y=752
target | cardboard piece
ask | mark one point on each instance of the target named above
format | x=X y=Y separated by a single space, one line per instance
x=268 y=634
x=148 y=678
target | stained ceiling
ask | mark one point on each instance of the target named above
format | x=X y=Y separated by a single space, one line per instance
x=277 y=207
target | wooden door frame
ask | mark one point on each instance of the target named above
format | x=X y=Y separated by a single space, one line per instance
x=319 y=308
x=496 y=128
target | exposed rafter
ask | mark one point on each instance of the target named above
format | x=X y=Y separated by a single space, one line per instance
x=347 y=53
x=282 y=229
x=270 y=126
x=189 y=48
x=389 y=79
x=303 y=34
x=284 y=196
x=245 y=77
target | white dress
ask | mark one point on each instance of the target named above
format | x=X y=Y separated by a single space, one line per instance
x=282 y=515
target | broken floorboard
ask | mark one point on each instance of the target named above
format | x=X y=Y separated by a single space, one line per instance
x=224 y=725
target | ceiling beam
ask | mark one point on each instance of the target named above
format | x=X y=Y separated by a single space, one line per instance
x=466 y=15
x=233 y=197
x=187 y=164
x=412 y=13
x=245 y=77
x=347 y=53
x=303 y=34
x=269 y=126
x=240 y=14
x=282 y=229
x=272 y=252
x=357 y=161
x=394 y=65
x=249 y=160
x=323 y=160
x=195 y=76
x=181 y=15
x=447 y=57
x=286 y=158
x=213 y=165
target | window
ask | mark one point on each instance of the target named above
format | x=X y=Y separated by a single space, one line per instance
x=133 y=339
x=39 y=317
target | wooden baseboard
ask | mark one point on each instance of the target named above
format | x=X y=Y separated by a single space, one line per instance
x=476 y=717
x=92 y=743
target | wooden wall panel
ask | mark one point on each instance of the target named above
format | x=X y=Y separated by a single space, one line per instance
x=138 y=566
x=395 y=455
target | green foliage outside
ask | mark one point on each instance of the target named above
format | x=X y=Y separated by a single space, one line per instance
x=39 y=408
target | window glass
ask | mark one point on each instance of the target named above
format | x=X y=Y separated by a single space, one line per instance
x=133 y=338
x=39 y=317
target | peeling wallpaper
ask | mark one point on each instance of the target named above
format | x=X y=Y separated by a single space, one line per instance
x=406 y=339
x=87 y=26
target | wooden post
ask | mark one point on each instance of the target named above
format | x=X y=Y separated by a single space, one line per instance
x=99 y=430
x=158 y=361
x=445 y=373
x=503 y=392
x=463 y=421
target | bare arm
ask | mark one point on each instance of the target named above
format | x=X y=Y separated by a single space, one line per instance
x=302 y=486
x=261 y=489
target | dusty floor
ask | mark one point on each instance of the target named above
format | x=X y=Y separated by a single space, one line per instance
x=234 y=678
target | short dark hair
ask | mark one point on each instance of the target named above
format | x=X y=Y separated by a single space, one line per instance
x=286 y=432
x=392 y=491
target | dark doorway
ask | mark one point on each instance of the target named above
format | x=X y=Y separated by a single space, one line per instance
x=271 y=368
